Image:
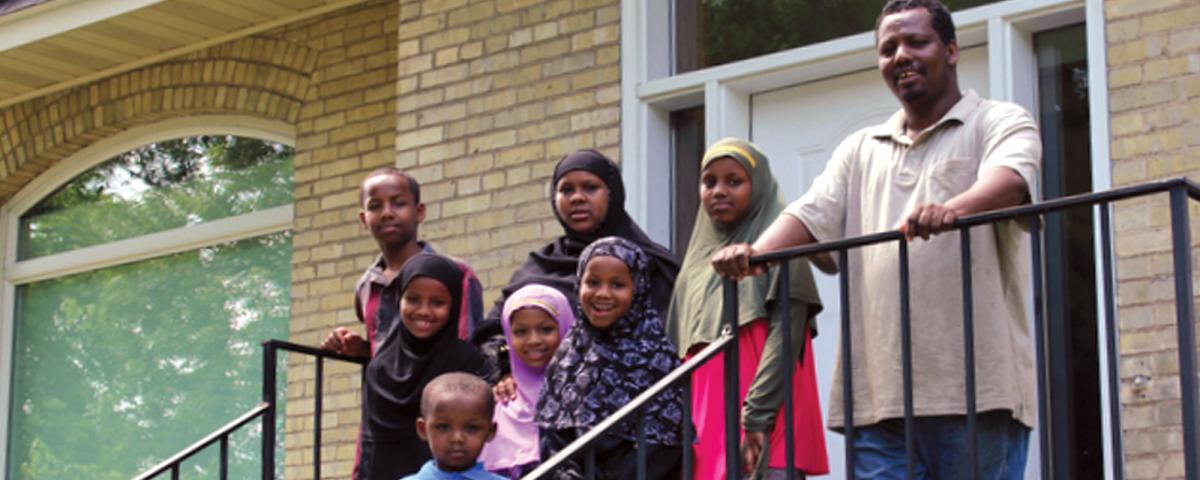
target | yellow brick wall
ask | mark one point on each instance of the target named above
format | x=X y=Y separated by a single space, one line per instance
x=487 y=96
x=1154 y=98
x=345 y=131
x=491 y=93
x=37 y=134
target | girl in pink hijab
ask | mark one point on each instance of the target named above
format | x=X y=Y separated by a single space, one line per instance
x=535 y=319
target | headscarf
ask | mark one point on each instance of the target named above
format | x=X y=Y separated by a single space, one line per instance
x=596 y=372
x=554 y=265
x=516 y=440
x=695 y=314
x=404 y=364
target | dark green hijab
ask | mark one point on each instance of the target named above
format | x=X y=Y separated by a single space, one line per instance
x=695 y=313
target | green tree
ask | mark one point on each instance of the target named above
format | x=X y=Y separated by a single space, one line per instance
x=117 y=369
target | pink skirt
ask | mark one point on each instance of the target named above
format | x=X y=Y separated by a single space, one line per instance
x=708 y=410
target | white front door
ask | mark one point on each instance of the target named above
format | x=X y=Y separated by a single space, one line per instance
x=798 y=128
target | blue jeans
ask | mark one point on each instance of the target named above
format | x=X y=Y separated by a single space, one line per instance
x=941 y=448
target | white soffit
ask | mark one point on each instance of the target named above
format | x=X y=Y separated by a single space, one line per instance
x=66 y=43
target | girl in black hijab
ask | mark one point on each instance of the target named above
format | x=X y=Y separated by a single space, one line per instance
x=421 y=346
x=584 y=219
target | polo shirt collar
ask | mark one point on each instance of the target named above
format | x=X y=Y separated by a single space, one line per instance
x=893 y=128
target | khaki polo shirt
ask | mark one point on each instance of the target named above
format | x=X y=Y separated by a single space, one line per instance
x=878 y=175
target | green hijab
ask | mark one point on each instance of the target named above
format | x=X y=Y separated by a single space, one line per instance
x=695 y=313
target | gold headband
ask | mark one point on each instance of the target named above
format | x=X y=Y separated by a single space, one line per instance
x=546 y=305
x=727 y=149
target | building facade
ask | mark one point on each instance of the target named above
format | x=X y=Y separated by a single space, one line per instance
x=478 y=99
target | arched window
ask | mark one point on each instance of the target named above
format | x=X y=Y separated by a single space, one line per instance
x=140 y=289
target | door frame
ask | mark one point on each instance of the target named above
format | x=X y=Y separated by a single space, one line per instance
x=649 y=93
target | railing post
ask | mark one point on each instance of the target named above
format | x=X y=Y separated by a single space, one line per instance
x=968 y=301
x=641 y=445
x=590 y=464
x=1110 y=328
x=1039 y=328
x=732 y=386
x=224 y=472
x=910 y=439
x=318 y=408
x=847 y=363
x=268 y=418
x=1185 y=323
x=789 y=367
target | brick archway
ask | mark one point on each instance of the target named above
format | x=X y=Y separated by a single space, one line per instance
x=260 y=77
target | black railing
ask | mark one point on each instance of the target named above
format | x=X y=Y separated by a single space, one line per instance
x=1051 y=443
x=266 y=411
x=1180 y=191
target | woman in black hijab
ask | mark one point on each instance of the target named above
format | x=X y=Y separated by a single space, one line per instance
x=410 y=356
x=588 y=199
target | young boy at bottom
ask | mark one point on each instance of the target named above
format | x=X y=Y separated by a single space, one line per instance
x=456 y=420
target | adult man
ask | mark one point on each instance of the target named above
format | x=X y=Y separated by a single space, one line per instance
x=945 y=154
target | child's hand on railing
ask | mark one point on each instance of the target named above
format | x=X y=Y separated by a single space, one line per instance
x=505 y=390
x=752 y=448
x=345 y=342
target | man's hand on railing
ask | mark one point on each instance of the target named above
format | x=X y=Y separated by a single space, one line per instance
x=734 y=262
x=345 y=342
x=927 y=219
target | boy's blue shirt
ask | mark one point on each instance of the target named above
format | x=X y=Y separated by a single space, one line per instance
x=430 y=471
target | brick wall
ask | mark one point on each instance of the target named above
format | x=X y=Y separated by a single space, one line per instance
x=1154 y=80
x=491 y=94
x=486 y=97
x=346 y=130
x=37 y=134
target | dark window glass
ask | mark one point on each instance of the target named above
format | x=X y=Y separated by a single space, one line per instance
x=687 y=146
x=1070 y=267
x=716 y=32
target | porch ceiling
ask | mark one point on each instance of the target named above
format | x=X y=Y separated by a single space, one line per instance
x=64 y=43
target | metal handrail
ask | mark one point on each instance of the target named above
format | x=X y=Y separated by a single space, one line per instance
x=314 y=352
x=1180 y=188
x=1011 y=213
x=643 y=398
x=221 y=434
x=265 y=410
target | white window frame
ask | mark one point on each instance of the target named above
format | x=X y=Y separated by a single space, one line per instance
x=649 y=94
x=14 y=273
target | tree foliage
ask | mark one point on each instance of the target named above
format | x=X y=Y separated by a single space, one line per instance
x=119 y=368
x=157 y=187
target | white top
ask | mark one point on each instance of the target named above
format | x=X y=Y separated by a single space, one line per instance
x=875 y=178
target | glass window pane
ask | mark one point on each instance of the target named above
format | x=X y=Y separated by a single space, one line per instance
x=687 y=130
x=160 y=186
x=716 y=32
x=115 y=370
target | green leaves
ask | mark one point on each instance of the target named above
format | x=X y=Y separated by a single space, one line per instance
x=122 y=367
x=116 y=369
x=158 y=187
